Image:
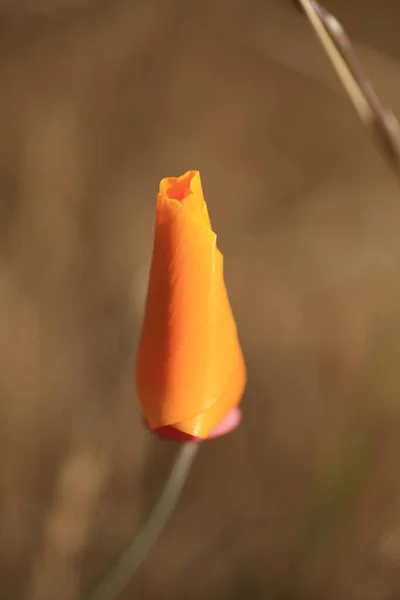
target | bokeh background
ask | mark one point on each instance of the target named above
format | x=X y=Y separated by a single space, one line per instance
x=97 y=103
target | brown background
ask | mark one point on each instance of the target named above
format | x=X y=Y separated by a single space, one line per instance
x=96 y=105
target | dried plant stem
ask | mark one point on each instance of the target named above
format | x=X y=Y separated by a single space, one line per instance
x=381 y=122
x=342 y=70
x=116 y=579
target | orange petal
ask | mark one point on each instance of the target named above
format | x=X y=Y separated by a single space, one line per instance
x=190 y=369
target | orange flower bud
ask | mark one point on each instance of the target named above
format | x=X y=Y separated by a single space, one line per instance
x=190 y=370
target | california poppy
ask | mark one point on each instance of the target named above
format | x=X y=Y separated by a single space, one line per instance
x=190 y=369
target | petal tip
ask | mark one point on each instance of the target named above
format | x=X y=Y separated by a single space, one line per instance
x=179 y=188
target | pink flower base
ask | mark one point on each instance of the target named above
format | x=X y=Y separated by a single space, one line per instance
x=228 y=424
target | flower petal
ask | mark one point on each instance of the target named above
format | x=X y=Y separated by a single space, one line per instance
x=190 y=370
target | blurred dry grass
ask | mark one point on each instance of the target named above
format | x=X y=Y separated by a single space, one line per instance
x=304 y=500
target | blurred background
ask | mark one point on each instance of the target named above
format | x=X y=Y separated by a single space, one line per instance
x=98 y=102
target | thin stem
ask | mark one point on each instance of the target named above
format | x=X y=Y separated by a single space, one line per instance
x=355 y=94
x=381 y=122
x=120 y=573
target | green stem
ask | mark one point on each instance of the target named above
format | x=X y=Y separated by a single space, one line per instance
x=120 y=573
